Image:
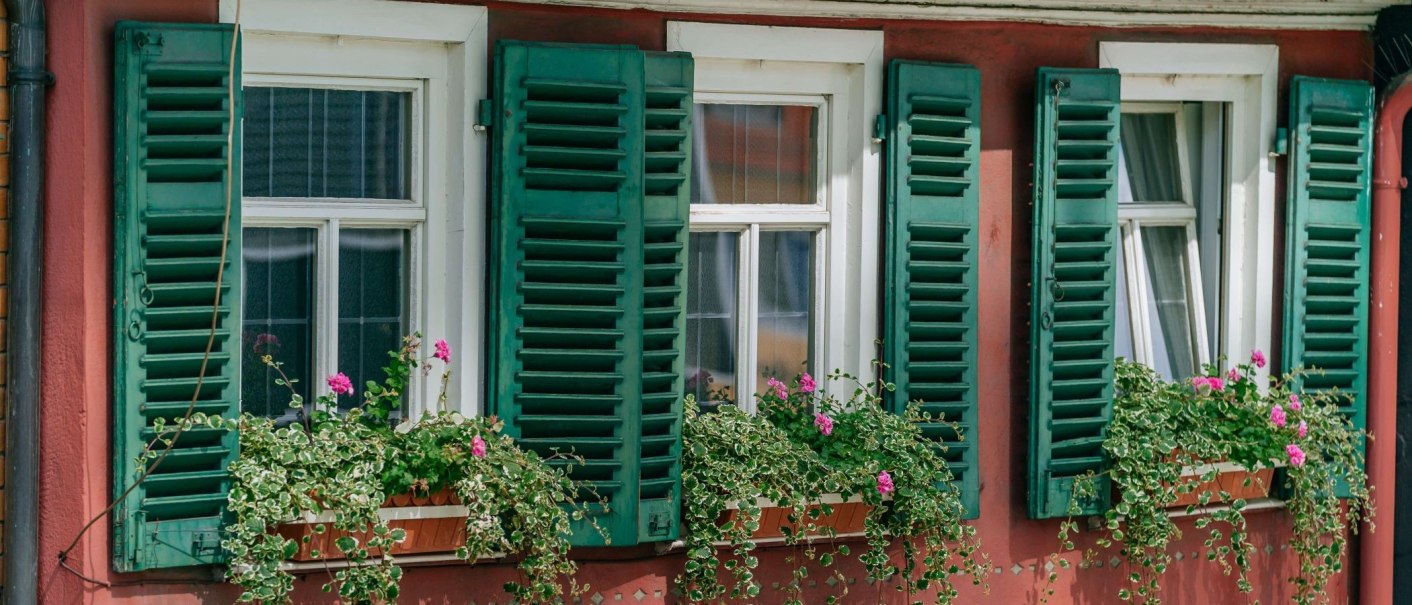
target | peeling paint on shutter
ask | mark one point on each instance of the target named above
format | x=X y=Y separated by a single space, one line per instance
x=929 y=308
x=172 y=94
x=1073 y=284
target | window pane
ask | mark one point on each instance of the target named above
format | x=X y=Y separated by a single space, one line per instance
x=371 y=297
x=755 y=154
x=786 y=304
x=711 y=316
x=1169 y=304
x=278 y=317
x=1150 y=170
x=316 y=142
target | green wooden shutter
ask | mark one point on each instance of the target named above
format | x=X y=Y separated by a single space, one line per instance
x=1327 y=238
x=933 y=207
x=586 y=305
x=666 y=170
x=172 y=95
x=1073 y=284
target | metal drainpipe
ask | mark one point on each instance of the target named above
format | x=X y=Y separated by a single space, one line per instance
x=28 y=79
x=1376 y=549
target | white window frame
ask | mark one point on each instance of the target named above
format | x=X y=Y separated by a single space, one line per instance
x=439 y=53
x=841 y=72
x=1245 y=77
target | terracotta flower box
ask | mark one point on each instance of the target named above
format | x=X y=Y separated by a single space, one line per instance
x=435 y=523
x=847 y=517
x=1229 y=477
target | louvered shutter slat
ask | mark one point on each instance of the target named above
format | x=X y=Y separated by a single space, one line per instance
x=589 y=224
x=1073 y=284
x=929 y=307
x=1327 y=238
x=173 y=93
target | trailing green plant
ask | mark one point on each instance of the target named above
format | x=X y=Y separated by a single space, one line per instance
x=347 y=464
x=805 y=444
x=1161 y=429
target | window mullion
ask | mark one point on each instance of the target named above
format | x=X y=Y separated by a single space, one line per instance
x=749 y=324
x=326 y=321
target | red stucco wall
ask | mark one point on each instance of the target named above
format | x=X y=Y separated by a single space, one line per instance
x=75 y=461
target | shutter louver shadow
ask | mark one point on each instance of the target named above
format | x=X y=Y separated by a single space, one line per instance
x=1327 y=238
x=173 y=117
x=931 y=260
x=1073 y=284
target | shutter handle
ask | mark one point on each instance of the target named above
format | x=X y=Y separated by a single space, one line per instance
x=134 y=325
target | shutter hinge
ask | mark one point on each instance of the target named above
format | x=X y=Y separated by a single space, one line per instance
x=148 y=42
x=1281 y=143
x=485 y=115
x=880 y=129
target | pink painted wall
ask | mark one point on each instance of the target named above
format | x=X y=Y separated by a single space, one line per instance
x=75 y=462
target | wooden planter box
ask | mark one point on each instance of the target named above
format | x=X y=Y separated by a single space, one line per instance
x=847 y=517
x=1229 y=477
x=435 y=523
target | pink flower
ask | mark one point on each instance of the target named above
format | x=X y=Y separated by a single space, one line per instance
x=1200 y=381
x=443 y=351
x=1257 y=357
x=340 y=384
x=1303 y=429
x=806 y=383
x=885 y=483
x=477 y=447
x=1233 y=376
x=1294 y=402
x=824 y=423
x=1296 y=455
x=778 y=386
x=1277 y=416
x=1216 y=384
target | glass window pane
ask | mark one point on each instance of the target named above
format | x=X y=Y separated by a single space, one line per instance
x=1150 y=170
x=786 y=304
x=755 y=154
x=372 y=288
x=1169 y=306
x=711 y=316
x=316 y=142
x=278 y=289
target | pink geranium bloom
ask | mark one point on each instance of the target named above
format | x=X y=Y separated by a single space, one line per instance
x=1294 y=402
x=824 y=423
x=340 y=384
x=1233 y=376
x=1296 y=454
x=1277 y=416
x=443 y=351
x=1257 y=357
x=1216 y=384
x=806 y=383
x=885 y=483
x=477 y=447
x=1200 y=381
x=778 y=386
x=1303 y=429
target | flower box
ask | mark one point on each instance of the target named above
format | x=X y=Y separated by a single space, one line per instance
x=435 y=523
x=847 y=517
x=1231 y=478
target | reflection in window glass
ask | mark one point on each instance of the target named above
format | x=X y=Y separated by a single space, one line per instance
x=711 y=316
x=786 y=304
x=278 y=309
x=755 y=154
x=371 y=300
x=316 y=142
